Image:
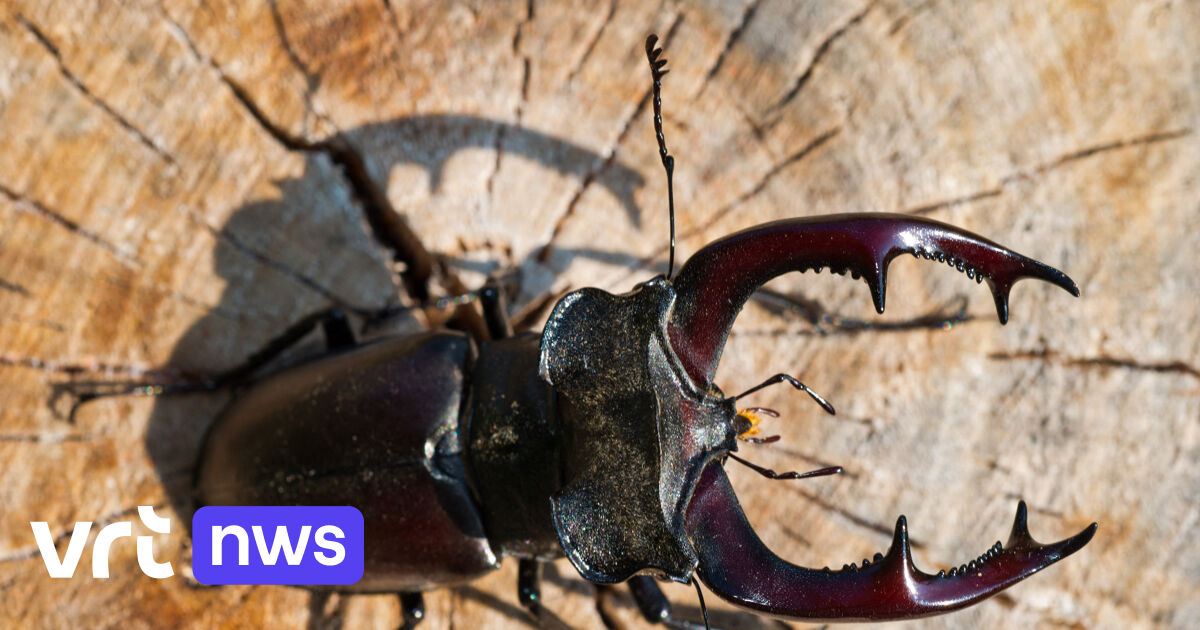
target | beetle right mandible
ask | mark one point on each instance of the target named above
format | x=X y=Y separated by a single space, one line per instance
x=603 y=439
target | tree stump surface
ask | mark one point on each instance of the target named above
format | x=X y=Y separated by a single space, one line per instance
x=180 y=181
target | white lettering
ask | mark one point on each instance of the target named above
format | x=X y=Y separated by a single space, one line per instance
x=338 y=549
x=243 y=543
x=104 y=540
x=282 y=541
x=102 y=546
x=145 y=544
x=45 y=542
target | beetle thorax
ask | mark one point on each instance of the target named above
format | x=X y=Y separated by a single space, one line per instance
x=637 y=433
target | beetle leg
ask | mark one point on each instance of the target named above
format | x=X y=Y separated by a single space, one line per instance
x=412 y=609
x=736 y=565
x=771 y=474
x=654 y=605
x=495 y=309
x=649 y=598
x=492 y=323
x=715 y=282
x=336 y=328
x=529 y=592
x=332 y=321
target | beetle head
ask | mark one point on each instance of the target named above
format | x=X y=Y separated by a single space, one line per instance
x=646 y=431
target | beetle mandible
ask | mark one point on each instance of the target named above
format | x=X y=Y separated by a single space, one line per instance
x=603 y=439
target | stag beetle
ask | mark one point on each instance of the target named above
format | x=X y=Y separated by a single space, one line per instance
x=603 y=439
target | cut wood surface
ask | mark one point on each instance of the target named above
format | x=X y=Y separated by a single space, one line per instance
x=181 y=180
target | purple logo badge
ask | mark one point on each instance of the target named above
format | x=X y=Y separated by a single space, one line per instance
x=277 y=545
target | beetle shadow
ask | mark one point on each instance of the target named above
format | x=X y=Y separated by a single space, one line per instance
x=430 y=141
x=176 y=430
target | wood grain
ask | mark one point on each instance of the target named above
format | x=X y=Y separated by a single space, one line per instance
x=181 y=180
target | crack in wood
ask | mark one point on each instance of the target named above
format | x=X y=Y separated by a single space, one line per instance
x=90 y=96
x=757 y=130
x=903 y=20
x=595 y=39
x=293 y=274
x=956 y=201
x=23 y=203
x=822 y=48
x=519 y=110
x=1101 y=362
x=391 y=11
x=796 y=536
x=40 y=323
x=15 y=288
x=498 y=149
x=525 y=60
x=765 y=180
x=1042 y=169
x=1151 y=138
x=75 y=367
x=735 y=33
x=609 y=156
x=45 y=438
x=388 y=227
x=518 y=31
x=312 y=80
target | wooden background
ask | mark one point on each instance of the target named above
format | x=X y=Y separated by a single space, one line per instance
x=180 y=180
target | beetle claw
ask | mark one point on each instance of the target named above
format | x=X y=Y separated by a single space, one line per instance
x=728 y=271
x=738 y=567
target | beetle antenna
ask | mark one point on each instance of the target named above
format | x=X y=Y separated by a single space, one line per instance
x=657 y=72
x=703 y=608
x=786 y=378
x=771 y=474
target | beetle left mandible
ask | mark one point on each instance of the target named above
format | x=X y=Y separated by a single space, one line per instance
x=603 y=439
